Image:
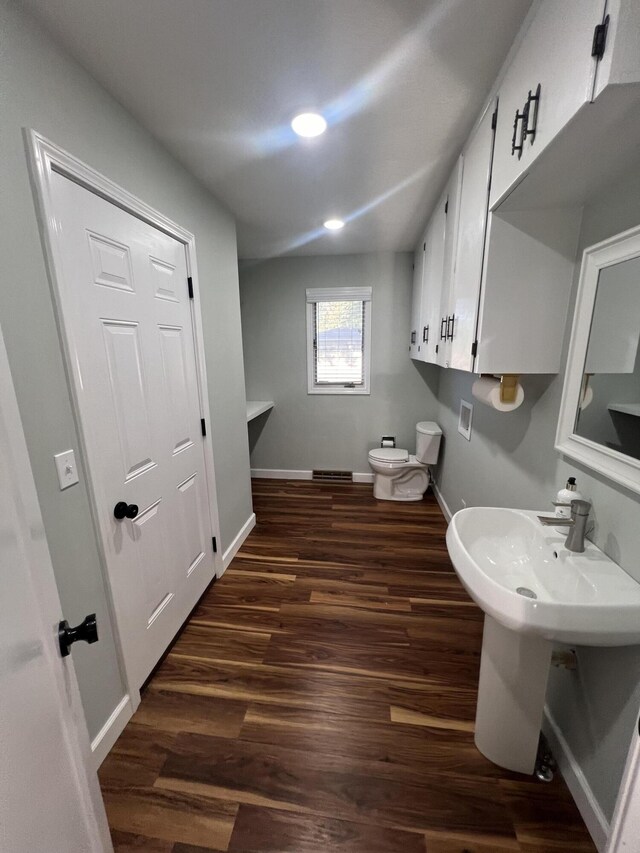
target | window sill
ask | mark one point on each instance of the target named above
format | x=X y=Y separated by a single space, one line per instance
x=341 y=392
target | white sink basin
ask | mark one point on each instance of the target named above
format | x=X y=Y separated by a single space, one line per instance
x=533 y=592
x=585 y=599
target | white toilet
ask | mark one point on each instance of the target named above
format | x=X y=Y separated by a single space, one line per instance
x=398 y=476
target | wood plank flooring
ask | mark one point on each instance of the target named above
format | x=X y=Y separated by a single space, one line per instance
x=322 y=699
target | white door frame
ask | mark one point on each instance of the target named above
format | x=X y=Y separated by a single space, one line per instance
x=47 y=602
x=45 y=158
x=625 y=824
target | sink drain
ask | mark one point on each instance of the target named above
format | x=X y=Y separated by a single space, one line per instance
x=528 y=593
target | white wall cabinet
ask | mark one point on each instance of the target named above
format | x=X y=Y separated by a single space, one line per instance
x=469 y=245
x=495 y=273
x=434 y=245
x=432 y=279
x=416 y=304
x=556 y=55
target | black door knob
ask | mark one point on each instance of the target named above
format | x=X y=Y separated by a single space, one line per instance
x=87 y=631
x=124 y=510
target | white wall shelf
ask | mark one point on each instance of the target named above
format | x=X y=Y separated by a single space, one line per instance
x=626 y=408
x=258 y=407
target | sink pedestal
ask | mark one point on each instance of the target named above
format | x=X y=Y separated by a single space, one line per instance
x=513 y=683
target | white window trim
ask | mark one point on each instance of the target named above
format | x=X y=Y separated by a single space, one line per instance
x=339 y=294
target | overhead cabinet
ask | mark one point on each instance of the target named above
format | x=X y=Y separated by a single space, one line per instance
x=495 y=266
x=552 y=75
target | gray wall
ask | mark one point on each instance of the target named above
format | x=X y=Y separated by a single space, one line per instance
x=511 y=461
x=41 y=88
x=325 y=431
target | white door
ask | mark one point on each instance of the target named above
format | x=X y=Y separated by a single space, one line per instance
x=126 y=312
x=49 y=801
x=474 y=201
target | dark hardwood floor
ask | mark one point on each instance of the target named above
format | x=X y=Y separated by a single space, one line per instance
x=322 y=699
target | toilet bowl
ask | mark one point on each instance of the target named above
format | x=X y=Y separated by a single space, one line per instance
x=401 y=476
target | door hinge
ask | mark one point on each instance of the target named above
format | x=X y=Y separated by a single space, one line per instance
x=474 y=349
x=600 y=39
x=214 y=542
x=424 y=247
x=203 y=426
x=190 y=286
x=446 y=207
x=494 y=119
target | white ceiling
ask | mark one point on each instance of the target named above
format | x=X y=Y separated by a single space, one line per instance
x=218 y=81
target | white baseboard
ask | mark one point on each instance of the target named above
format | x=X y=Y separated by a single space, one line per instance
x=284 y=474
x=442 y=503
x=362 y=478
x=580 y=789
x=280 y=474
x=111 y=731
x=235 y=546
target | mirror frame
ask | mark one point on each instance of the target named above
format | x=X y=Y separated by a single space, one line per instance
x=610 y=463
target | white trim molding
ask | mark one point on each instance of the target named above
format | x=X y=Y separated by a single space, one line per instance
x=235 y=546
x=292 y=474
x=441 y=502
x=104 y=741
x=363 y=478
x=579 y=788
x=280 y=474
x=605 y=460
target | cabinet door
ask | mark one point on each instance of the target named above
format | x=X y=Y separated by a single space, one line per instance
x=434 y=243
x=555 y=54
x=445 y=318
x=416 y=304
x=467 y=275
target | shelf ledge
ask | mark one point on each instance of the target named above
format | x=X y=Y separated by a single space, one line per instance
x=258 y=407
x=626 y=408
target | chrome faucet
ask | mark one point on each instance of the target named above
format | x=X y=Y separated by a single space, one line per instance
x=577 y=524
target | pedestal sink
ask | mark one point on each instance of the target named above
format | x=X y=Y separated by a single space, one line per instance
x=533 y=592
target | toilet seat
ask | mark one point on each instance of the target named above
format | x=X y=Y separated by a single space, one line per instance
x=389 y=454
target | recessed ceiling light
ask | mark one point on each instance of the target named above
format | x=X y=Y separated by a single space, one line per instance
x=309 y=124
x=334 y=224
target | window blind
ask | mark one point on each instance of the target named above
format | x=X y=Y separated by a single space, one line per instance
x=338 y=343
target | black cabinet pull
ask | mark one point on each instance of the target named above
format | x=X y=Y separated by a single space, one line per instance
x=124 y=510
x=413 y=338
x=425 y=335
x=443 y=329
x=87 y=631
x=530 y=121
x=518 y=118
x=450 y=326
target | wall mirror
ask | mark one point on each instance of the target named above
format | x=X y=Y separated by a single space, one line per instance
x=599 y=422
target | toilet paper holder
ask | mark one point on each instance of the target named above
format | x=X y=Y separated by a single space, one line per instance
x=388 y=441
x=508 y=386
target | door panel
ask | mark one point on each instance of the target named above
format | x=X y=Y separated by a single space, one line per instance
x=474 y=201
x=127 y=314
x=433 y=280
x=129 y=395
x=452 y=206
x=49 y=800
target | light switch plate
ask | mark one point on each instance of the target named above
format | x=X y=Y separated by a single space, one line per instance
x=66 y=467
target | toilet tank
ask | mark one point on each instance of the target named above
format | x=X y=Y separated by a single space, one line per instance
x=428 y=437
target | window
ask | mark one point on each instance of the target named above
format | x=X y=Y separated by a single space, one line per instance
x=338 y=340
